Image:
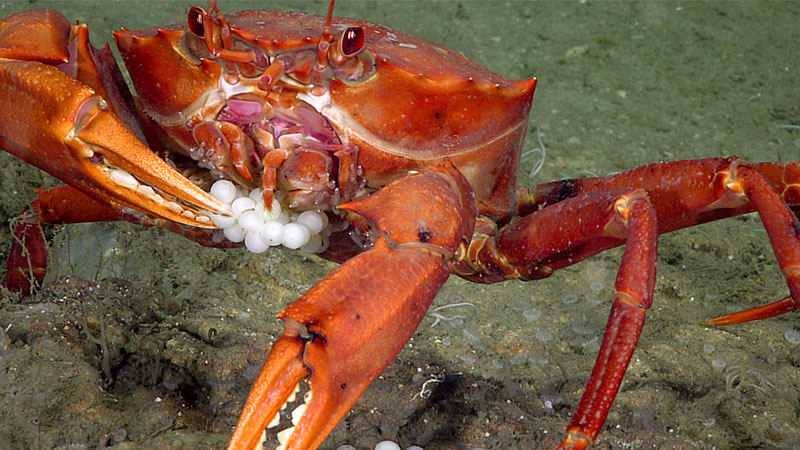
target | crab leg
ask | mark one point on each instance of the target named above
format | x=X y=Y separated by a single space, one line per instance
x=714 y=189
x=597 y=219
x=782 y=306
x=633 y=295
x=346 y=329
x=740 y=182
x=783 y=230
x=71 y=132
x=718 y=188
x=27 y=259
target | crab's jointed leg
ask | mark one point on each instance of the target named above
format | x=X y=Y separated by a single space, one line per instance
x=570 y=220
x=27 y=259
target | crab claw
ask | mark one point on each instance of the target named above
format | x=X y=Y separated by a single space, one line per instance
x=347 y=328
x=66 y=128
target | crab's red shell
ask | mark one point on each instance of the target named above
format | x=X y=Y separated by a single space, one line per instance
x=420 y=104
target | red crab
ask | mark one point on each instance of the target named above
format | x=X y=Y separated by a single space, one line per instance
x=410 y=150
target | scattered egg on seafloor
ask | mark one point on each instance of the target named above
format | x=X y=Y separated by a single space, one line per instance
x=383 y=445
x=387 y=445
x=261 y=227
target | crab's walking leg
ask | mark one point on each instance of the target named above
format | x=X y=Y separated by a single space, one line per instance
x=348 y=327
x=633 y=295
x=596 y=221
x=783 y=230
x=27 y=260
x=782 y=226
x=627 y=314
x=782 y=306
x=681 y=194
x=687 y=193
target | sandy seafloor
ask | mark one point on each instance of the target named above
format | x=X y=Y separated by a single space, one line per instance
x=620 y=85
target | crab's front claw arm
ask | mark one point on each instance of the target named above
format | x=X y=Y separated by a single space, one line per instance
x=346 y=329
x=66 y=127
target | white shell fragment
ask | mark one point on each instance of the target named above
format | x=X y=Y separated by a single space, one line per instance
x=260 y=227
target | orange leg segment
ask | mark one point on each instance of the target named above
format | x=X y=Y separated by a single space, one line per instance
x=564 y=222
x=597 y=220
x=782 y=226
x=783 y=230
x=782 y=306
x=633 y=296
x=27 y=260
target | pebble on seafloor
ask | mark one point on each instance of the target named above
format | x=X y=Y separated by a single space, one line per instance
x=261 y=227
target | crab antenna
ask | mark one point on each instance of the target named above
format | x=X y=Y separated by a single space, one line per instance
x=318 y=74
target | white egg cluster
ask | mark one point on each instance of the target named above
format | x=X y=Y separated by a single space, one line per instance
x=261 y=227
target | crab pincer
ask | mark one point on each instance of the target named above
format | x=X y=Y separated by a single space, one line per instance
x=79 y=126
x=347 y=328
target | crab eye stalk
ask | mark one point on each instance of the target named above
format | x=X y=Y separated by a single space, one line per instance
x=197 y=16
x=352 y=41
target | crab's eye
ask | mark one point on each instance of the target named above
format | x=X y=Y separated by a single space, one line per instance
x=197 y=17
x=352 y=41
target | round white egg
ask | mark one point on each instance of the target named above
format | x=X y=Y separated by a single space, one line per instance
x=387 y=445
x=251 y=221
x=314 y=220
x=242 y=204
x=234 y=233
x=224 y=191
x=272 y=232
x=254 y=243
x=295 y=235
